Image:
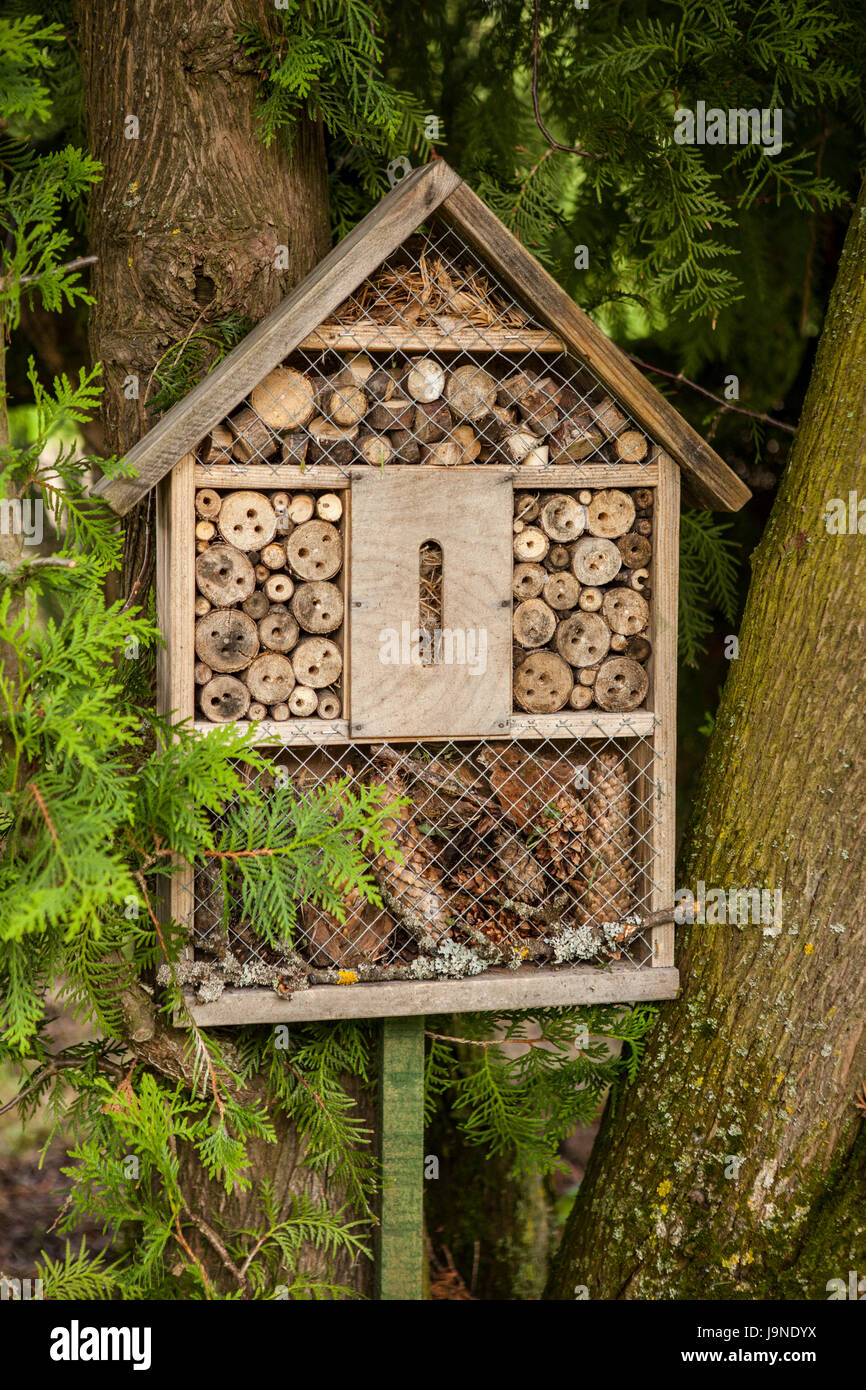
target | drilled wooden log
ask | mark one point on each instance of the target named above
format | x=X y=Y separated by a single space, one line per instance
x=208 y=503
x=317 y=662
x=561 y=591
x=542 y=682
x=531 y=545
x=328 y=705
x=533 y=623
x=303 y=702
x=279 y=588
x=636 y=550
x=318 y=606
x=224 y=575
x=621 y=684
x=610 y=513
x=315 y=550
x=247 y=520
x=278 y=632
x=226 y=639
x=625 y=611
x=270 y=678
x=223 y=699
x=595 y=561
x=590 y=600
x=562 y=518
x=329 y=507
x=583 y=639
x=528 y=580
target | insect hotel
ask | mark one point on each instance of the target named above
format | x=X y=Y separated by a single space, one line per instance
x=420 y=529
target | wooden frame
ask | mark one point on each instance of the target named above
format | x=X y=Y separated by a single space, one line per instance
x=302 y=322
x=529 y=986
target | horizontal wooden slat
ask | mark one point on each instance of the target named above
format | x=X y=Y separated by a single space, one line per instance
x=712 y=483
x=579 y=724
x=528 y=988
x=587 y=475
x=377 y=337
x=294 y=733
x=260 y=475
x=350 y=262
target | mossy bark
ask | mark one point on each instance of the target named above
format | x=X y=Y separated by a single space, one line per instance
x=187 y=223
x=734 y=1167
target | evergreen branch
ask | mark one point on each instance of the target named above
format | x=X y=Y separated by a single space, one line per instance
x=725 y=405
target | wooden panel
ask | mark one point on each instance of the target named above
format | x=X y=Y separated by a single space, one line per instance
x=175 y=596
x=587 y=475
x=528 y=988
x=462 y=337
x=713 y=484
x=400 y=1263
x=583 y=725
x=293 y=733
x=664 y=695
x=369 y=243
x=175 y=590
x=394 y=511
x=283 y=477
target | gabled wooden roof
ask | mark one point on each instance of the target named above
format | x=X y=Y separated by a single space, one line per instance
x=708 y=481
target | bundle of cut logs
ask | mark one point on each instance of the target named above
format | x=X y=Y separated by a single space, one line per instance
x=420 y=410
x=580 y=593
x=506 y=856
x=269 y=606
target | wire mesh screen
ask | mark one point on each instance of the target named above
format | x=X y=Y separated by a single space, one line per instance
x=430 y=361
x=521 y=854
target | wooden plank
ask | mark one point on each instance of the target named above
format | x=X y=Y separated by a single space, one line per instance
x=284 y=477
x=289 y=733
x=527 y=988
x=582 y=724
x=340 y=273
x=400 y=1263
x=713 y=483
x=396 y=337
x=394 y=511
x=664 y=693
x=175 y=596
x=559 y=475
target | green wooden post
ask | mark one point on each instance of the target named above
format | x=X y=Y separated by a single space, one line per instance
x=401 y=1147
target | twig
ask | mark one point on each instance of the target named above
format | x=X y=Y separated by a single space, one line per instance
x=554 y=144
x=702 y=391
x=78 y=264
x=145 y=562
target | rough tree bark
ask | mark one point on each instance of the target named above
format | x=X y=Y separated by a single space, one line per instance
x=734 y=1168
x=186 y=223
x=192 y=206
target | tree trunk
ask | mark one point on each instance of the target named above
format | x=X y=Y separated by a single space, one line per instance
x=734 y=1167
x=192 y=207
x=186 y=225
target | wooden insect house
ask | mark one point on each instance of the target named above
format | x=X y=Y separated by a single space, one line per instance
x=420 y=528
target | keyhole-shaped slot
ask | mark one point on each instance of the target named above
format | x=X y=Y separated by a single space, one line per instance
x=430 y=602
